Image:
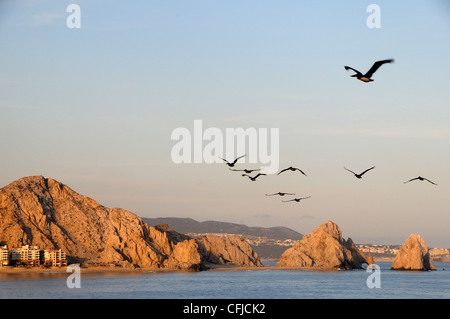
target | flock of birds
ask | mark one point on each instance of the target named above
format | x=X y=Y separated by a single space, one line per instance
x=253 y=178
x=362 y=77
x=291 y=168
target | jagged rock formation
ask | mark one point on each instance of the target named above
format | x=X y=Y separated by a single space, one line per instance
x=213 y=249
x=414 y=255
x=42 y=212
x=324 y=248
x=219 y=250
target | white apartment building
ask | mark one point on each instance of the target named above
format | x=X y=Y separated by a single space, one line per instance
x=26 y=255
x=55 y=258
x=4 y=256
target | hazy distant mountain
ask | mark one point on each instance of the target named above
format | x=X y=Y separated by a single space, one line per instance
x=189 y=225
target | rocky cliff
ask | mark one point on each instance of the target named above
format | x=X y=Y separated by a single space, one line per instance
x=324 y=248
x=414 y=255
x=42 y=212
x=227 y=250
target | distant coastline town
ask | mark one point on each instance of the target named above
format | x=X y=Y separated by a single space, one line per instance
x=31 y=256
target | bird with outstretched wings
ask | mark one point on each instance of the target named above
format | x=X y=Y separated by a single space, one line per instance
x=361 y=174
x=420 y=178
x=367 y=77
x=231 y=164
x=280 y=194
x=254 y=177
x=291 y=169
x=296 y=199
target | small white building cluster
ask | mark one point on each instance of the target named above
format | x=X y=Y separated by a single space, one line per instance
x=32 y=256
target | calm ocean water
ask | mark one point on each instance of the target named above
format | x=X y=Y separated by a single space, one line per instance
x=238 y=284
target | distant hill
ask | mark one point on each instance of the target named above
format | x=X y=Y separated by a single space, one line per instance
x=189 y=225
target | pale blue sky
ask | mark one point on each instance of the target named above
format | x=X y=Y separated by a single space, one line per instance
x=94 y=108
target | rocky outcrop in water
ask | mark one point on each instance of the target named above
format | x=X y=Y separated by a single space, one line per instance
x=42 y=212
x=324 y=248
x=227 y=250
x=414 y=255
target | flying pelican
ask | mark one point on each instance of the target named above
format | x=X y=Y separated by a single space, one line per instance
x=373 y=69
x=291 y=169
x=359 y=175
x=295 y=199
x=255 y=177
x=248 y=171
x=280 y=193
x=231 y=164
x=420 y=178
